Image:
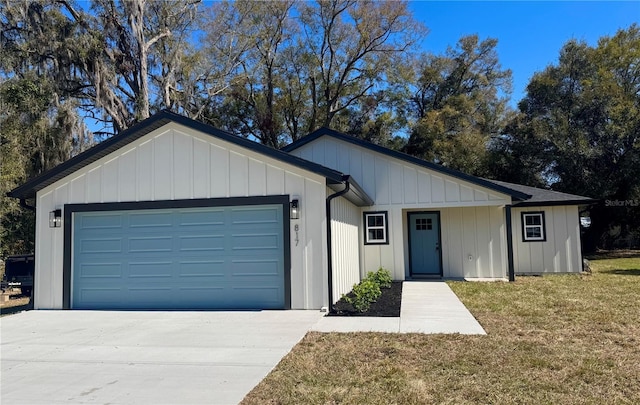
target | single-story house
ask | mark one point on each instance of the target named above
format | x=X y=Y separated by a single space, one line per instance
x=176 y=214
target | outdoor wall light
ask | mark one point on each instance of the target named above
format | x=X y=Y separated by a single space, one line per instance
x=55 y=218
x=295 y=209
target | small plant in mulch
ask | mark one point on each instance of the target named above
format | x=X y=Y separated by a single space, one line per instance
x=363 y=294
x=375 y=295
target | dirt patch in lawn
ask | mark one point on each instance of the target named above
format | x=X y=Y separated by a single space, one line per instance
x=613 y=254
x=387 y=305
x=12 y=301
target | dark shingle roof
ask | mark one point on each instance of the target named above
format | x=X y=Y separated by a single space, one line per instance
x=522 y=195
x=543 y=197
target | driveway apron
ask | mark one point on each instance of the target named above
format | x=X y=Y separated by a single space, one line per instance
x=86 y=357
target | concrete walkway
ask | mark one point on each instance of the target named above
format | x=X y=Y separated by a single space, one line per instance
x=427 y=307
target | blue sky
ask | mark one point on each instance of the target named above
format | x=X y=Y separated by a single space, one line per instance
x=530 y=34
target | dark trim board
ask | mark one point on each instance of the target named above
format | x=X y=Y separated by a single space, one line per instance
x=530 y=204
x=355 y=194
x=509 y=223
x=195 y=203
x=439 y=241
x=70 y=209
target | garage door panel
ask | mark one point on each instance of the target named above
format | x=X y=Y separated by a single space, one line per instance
x=150 y=269
x=150 y=220
x=145 y=244
x=196 y=297
x=145 y=297
x=257 y=293
x=102 y=222
x=200 y=258
x=258 y=227
x=255 y=242
x=202 y=243
x=101 y=245
x=99 y=270
x=242 y=216
x=203 y=268
x=255 y=268
x=201 y=218
x=92 y=296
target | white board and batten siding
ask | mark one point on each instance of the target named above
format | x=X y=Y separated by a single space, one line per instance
x=392 y=182
x=473 y=243
x=560 y=253
x=471 y=216
x=174 y=163
x=345 y=245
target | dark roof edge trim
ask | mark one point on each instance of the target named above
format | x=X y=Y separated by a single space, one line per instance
x=23 y=191
x=356 y=194
x=31 y=187
x=359 y=191
x=517 y=195
x=524 y=204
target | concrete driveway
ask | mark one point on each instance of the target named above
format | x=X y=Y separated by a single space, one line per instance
x=53 y=357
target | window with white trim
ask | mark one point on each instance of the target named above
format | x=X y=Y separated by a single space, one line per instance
x=375 y=228
x=533 y=227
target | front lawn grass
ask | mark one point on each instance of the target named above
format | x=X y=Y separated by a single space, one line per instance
x=556 y=339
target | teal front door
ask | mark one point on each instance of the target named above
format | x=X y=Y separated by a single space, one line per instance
x=424 y=244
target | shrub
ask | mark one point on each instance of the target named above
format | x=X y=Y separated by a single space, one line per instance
x=363 y=294
x=368 y=290
x=382 y=277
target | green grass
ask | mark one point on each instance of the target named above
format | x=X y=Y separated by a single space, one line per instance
x=556 y=339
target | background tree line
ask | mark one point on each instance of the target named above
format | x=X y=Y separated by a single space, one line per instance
x=74 y=73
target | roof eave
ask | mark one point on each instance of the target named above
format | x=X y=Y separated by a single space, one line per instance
x=580 y=202
x=356 y=193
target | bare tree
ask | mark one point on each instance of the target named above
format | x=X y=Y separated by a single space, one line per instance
x=137 y=50
x=304 y=63
x=263 y=31
x=354 y=46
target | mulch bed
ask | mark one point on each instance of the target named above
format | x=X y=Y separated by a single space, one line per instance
x=388 y=305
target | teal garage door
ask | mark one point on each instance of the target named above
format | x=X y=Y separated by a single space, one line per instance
x=179 y=258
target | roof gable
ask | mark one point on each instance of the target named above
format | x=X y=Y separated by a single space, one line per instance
x=515 y=194
x=29 y=188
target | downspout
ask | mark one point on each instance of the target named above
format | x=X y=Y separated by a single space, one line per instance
x=347 y=186
x=510 y=268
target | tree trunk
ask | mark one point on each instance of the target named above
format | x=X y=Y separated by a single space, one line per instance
x=136 y=21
